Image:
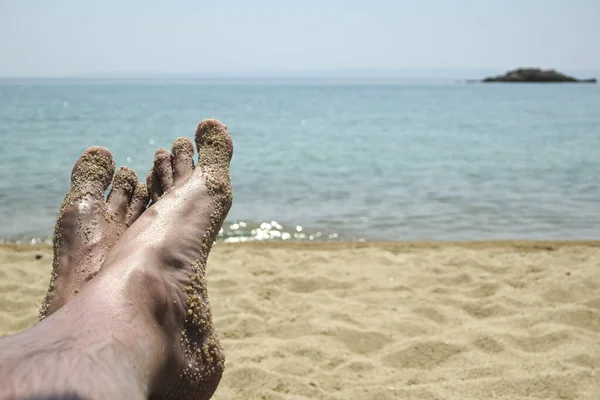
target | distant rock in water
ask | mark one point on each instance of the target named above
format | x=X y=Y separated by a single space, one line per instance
x=536 y=75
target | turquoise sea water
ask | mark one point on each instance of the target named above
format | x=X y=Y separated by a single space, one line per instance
x=327 y=160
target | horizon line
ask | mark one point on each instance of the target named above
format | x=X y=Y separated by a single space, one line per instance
x=350 y=73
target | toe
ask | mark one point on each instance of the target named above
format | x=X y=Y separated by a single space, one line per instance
x=183 y=159
x=214 y=143
x=138 y=203
x=153 y=185
x=163 y=168
x=92 y=172
x=124 y=184
x=215 y=150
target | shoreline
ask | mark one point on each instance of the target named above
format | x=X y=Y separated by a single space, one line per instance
x=520 y=244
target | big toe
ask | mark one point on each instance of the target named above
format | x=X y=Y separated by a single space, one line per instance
x=124 y=184
x=92 y=173
x=215 y=147
x=215 y=150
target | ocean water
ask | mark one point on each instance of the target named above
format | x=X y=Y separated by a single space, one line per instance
x=318 y=160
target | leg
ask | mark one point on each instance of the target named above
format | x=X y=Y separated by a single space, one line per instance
x=142 y=327
x=87 y=228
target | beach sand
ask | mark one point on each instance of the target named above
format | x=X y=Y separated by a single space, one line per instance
x=483 y=320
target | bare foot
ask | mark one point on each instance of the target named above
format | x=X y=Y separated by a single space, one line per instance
x=164 y=253
x=142 y=328
x=87 y=227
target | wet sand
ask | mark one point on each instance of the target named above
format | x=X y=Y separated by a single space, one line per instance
x=480 y=320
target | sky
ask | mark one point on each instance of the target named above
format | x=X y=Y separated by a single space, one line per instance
x=72 y=38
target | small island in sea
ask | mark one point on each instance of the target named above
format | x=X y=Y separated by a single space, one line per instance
x=536 y=75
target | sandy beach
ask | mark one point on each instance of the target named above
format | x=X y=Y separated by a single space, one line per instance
x=481 y=320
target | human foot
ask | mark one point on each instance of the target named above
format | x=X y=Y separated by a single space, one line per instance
x=87 y=227
x=163 y=255
x=142 y=328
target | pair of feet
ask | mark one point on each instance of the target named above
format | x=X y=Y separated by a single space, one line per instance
x=146 y=310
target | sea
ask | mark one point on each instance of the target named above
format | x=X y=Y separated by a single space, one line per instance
x=326 y=160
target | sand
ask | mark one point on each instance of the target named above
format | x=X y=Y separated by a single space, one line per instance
x=501 y=320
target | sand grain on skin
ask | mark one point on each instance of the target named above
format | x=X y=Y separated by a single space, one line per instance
x=139 y=199
x=201 y=343
x=125 y=178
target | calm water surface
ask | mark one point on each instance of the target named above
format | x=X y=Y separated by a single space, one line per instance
x=327 y=160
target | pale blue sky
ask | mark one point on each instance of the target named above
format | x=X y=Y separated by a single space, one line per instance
x=77 y=37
